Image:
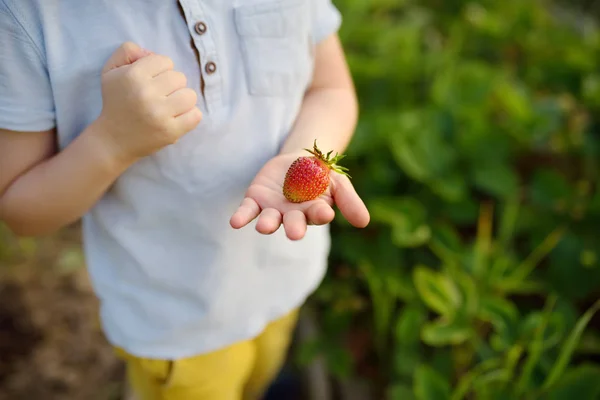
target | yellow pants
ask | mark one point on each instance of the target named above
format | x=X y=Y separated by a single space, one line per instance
x=241 y=371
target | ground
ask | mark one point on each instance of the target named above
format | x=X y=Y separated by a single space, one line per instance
x=51 y=345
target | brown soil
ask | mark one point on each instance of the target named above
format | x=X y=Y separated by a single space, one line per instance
x=51 y=345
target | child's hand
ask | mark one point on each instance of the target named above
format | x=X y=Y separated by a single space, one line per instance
x=146 y=104
x=265 y=198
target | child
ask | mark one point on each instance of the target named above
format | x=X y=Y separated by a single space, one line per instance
x=169 y=126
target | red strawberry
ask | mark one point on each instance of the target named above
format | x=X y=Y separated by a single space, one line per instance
x=308 y=177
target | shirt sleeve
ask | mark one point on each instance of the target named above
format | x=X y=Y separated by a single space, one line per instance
x=327 y=19
x=26 y=101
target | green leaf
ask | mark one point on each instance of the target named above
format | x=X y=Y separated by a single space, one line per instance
x=500 y=264
x=508 y=221
x=535 y=347
x=569 y=346
x=400 y=286
x=499 y=375
x=27 y=247
x=437 y=290
x=408 y=325
x=339 y=360
x=447 y=236
x=463 y=86
x=512 y=358
x=452 y=187
x=554 y=324
x=497 y=390
x=406 y=216
x=581 y=383
x=550 y=189
x=469 y=291
x=591 y=89
x=430 y=385
x=497 y=179
x=565 y=271
x=442 y=332
x=467 y=380
x=419 y=147
x=525 y=268
x=406 y=359
x=500 y=312
x=383 y=303
x=589 y=343
x=413 y=238
x=443 y=362
x=71 y=259
x=504 y=317
x=308 y=351
x=513 y=99
x=483 y=241
x=400 y=391
x=397 y=210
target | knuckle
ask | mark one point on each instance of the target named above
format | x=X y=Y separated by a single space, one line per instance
x=146 y=97
x=133 y=74
x=194 y=118
x=190 y=96
x=177 y=79
x=167 y=61
x=197 y=115
x=155 y=115
x=128 y=46
x=171 y=135
x=180 y=78
x=197 y=118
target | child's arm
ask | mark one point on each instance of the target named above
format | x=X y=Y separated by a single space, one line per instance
x=330 y=109
x=328 y=114
x=146 y=107
x=40 y=191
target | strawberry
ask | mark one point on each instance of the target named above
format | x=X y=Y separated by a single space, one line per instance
x=308 y=176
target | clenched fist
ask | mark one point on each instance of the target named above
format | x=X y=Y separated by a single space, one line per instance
x=146 y=104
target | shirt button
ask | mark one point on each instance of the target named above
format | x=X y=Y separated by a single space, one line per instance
x=200 y=28
x=210 y=67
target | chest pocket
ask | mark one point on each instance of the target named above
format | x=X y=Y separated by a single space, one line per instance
x=276 y=44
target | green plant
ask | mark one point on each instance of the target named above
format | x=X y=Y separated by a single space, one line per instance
x=469 y=106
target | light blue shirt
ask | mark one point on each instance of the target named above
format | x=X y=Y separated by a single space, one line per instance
x=174 y=279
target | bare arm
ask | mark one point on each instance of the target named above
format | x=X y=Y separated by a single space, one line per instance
x=330 y=109
x=329 y=113
x=41 y=191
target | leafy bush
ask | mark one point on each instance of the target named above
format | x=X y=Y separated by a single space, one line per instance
x=477 y=154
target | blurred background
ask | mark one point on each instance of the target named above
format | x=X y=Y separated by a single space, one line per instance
x=479 y=277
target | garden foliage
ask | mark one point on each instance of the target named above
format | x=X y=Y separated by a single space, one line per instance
x=477 y=154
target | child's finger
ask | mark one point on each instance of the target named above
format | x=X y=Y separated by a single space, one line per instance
x=294 y=223
x=153 y=65
x=320 y=214
x=181 y=101
x=125 y=54
x=349 y=202
x=269 y=221
x=247 y=211
x=188 y=120
x=170 y=81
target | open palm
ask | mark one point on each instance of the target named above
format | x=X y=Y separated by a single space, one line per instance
x=265 y=200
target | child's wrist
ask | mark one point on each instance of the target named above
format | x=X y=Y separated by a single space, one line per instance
x=110 y=154
x=292 y=151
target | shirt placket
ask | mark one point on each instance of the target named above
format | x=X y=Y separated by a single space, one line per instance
x=203 y=39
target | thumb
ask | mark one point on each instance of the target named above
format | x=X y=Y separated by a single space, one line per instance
x=126 y=54
x=349 y=202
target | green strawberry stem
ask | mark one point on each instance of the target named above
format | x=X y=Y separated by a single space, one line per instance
x=328 y=160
